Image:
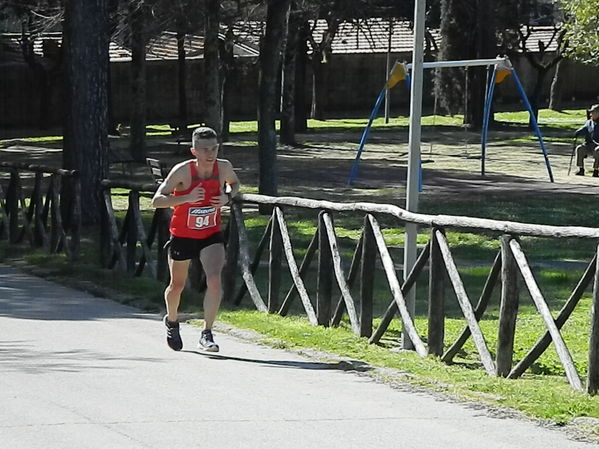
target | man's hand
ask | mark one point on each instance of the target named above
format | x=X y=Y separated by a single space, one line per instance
x=220 y=200
x=196 y=195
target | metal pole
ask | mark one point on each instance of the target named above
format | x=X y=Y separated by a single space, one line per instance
x=414 y=153
x=388 y=68
x=533 y=121
x=461 y=63
x=354 y=169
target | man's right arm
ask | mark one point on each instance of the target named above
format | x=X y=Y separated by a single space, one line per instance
x=164 y=196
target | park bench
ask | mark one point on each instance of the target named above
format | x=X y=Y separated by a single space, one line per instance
x=123 y=157
x=157 y=169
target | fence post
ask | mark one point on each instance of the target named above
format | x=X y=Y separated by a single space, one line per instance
x=107 y=240
x=56 y=221
x=436 y=299
x=232 y=259
x=367 y=269
x=12 y=206
x=75 y=219
x=35 y=210
x=593 y=374
x=131 y=232
x=162 y=236
x=274 y=264
x=324 y=283
x=508 y=311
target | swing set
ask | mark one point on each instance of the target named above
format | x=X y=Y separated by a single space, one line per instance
x=502 y=68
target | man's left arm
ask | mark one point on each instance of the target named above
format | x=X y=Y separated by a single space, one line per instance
x=231 y=180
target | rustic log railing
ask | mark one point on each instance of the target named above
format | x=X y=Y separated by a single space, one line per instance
x=36 y=215
x=509 y=264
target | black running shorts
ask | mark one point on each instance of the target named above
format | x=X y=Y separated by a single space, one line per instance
x=180 y=248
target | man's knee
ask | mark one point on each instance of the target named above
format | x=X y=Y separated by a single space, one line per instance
x=176 y=286
x=213 y=281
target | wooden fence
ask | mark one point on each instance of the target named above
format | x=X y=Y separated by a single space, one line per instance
x=34 y=214
x=323 y=309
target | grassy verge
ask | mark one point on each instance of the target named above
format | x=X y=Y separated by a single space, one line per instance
x=547 y=396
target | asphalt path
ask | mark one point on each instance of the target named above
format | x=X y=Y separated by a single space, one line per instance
x=77 y=371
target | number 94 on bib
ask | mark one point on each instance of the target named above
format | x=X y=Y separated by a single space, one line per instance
x=201 y=217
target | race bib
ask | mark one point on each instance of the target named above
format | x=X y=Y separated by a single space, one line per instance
x=201 y=217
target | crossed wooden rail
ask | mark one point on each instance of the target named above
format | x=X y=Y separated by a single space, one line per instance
x=36 y=216
x=509 y=263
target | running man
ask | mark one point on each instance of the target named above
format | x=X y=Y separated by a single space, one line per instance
x=196 y=190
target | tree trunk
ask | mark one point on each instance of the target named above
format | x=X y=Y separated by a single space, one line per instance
x=535 y=97
x=319 y=86
x=113 y=7
x=138 y=81
x=457 y=18
x=182 y=78
x=289 y=71
x=213 y=87
x=277 y=15
x=85 y=43
x=228 y=65
x=476 y=98
x=555 y=98
x=484 y=47
x=301 y=60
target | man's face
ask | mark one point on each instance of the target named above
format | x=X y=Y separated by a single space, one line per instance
x=595 y=115
x=206 y=150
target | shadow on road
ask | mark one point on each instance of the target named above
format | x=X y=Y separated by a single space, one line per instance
x=343 y=365
x=22 y=356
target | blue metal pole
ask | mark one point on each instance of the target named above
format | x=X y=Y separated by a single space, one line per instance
x=533 y=120
x=486 y=118
x=373 y=113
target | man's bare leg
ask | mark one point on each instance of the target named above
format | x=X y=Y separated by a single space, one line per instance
x=213 y=260
x=172 y=293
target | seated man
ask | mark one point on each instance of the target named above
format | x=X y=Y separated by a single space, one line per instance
x=590 y=131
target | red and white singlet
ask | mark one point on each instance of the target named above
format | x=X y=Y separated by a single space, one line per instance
x=198 y=220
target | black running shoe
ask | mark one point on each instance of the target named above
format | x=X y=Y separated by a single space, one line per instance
x=173 y=338
x=207 y=342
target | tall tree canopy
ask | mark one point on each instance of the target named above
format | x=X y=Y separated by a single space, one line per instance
x=582 y=29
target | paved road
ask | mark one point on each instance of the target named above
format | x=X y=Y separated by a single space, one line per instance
x=83 y=372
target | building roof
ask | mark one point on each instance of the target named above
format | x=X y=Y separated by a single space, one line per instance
x=364 y=36
x=164 y=46
x=371 y=36
x=10 y=47
x=544 y=34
